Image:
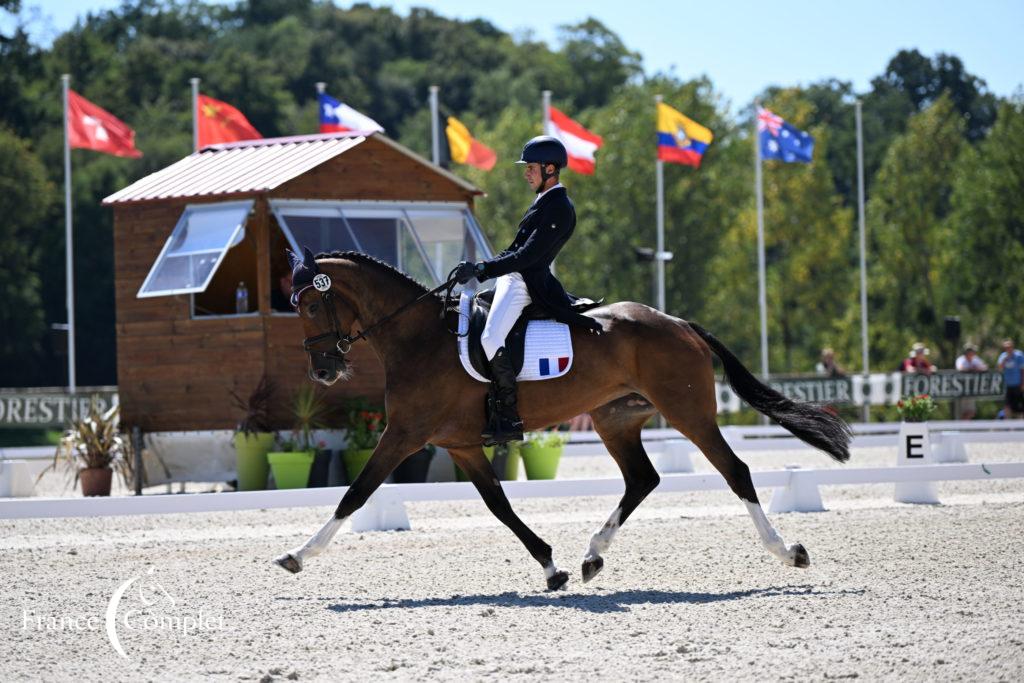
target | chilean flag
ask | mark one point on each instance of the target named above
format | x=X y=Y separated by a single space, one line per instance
x=337 y=117
x=579 y=142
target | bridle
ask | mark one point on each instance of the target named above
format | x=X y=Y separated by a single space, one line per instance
x=343 y=342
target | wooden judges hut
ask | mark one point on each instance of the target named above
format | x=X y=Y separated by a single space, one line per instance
x=201 y=274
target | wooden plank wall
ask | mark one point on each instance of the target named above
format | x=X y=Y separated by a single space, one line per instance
x=175 y=373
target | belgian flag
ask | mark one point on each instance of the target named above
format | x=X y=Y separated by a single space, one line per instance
x=458 y=145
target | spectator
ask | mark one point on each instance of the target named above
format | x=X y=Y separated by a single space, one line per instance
x=280 y=297
x=969 y=361
x=1011 y=363
x=917 y=361
x=827 y=364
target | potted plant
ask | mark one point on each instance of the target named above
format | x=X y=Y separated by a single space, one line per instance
x=914 y=447
x=504 y=458
x=254 y=437
x=541 y=452
x=413 y=470
x=94 y=447
x=364 y=426
x=292 y=464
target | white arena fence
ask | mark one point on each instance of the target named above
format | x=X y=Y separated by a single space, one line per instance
x=796 y=489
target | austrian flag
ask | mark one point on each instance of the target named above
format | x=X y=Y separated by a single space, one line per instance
x=579 y=142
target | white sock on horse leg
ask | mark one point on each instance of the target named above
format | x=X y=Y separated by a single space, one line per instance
x=602 y=538
x=319 y=541
x=771 y=539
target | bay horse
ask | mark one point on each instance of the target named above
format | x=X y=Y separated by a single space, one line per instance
x=643 y=362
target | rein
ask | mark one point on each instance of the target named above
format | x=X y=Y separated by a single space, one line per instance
x=344 y=342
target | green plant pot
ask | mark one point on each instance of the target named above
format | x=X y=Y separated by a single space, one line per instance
x=251 y=460
x=462 y=476
x=355 y=461
x=291 y=469
x=541 y=462
x=506 y=461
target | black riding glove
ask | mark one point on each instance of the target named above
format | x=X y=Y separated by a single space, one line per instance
x=466 y=271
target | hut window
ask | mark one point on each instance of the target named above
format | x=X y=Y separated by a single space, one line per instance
x=423 y=239
x=196 y=247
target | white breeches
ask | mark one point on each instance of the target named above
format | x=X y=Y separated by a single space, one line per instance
x=510 y=298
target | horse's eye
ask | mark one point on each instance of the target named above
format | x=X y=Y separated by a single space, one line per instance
x=313 y=308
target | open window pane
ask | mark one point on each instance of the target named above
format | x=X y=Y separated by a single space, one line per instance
x=195 y=248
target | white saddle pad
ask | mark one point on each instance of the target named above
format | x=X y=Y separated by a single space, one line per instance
x=548 y=352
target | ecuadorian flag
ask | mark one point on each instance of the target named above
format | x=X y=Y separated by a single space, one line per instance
x=681 y=140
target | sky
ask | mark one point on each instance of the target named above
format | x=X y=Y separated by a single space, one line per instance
x=742 y=45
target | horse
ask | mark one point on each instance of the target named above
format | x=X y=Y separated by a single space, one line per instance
x=642 y=362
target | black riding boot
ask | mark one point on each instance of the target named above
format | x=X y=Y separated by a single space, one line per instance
x=503 y=423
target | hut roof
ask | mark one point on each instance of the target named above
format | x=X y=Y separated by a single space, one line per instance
x=255 y=166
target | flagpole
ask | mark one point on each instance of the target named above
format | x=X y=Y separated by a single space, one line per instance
x=69 y=256
x=761 y=285
x=321 y=88
x=659 y=253
x=863 y=257
x=545 y=103
x=435 y=141
x=195 y=113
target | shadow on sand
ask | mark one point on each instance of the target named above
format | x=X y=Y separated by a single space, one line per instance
x=618 y=601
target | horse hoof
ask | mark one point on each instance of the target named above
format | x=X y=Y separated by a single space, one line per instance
x=801 y=559
x=592 y=567
x=557 y=580
x=288 y=562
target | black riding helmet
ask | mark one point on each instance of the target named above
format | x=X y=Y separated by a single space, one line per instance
x=544 y=150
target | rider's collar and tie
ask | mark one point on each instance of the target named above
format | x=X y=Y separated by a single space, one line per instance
x=537 y=198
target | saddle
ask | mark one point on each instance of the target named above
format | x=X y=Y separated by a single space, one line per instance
x=550 y=343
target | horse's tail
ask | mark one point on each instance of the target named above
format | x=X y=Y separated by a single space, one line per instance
x=806 y=421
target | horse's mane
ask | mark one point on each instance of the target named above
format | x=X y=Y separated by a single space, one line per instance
x=376 y=263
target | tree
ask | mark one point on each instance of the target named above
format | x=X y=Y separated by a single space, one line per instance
x=986 y=231
x=907 y=225
x=25 y=195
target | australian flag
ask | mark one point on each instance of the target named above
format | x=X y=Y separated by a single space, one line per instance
x=780 y=140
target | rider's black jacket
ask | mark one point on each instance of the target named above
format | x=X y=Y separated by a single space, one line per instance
x=547 y=226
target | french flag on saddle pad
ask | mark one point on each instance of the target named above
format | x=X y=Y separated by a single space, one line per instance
x=552 y=366
x=337 y=117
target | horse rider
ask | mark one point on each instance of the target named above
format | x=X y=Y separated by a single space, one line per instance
x=524 y=276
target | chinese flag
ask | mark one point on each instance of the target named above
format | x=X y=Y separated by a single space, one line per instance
x=220 y=122
x=92 y=127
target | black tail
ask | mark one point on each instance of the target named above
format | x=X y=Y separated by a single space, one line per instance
x=806 y=421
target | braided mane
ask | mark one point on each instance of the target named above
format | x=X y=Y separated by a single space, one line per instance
x=376 y=263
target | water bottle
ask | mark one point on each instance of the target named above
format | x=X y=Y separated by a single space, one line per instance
x=242 y=298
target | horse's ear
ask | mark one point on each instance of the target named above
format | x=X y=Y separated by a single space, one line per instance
x=293 y=258
x=309 y=261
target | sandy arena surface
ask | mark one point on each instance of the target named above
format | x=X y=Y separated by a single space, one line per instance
x=895 y=592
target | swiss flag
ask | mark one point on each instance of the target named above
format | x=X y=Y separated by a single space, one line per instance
x=579 y=142
x=92 y=127
x=220 y=122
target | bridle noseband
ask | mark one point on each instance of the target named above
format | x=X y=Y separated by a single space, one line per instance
x=343 y=343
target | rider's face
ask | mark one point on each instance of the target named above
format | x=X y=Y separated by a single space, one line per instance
x=532 y=175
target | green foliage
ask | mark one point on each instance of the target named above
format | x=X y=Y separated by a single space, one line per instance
x=551 y=439
x=908 y=228
x=364 y=425
x=95 y=441
x=25 y=198
x=915 y=408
